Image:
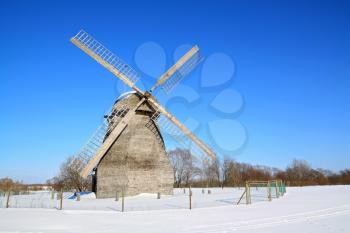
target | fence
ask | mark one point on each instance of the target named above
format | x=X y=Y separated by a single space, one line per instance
x=32 y=199
x=262 y=191
x=183 y=198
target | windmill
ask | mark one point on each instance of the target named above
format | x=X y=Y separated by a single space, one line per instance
x=127 y=151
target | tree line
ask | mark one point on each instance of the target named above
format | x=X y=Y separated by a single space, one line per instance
x=190 y=170
x=7 y=184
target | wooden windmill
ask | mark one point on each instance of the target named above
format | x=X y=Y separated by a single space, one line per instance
x=127 y=151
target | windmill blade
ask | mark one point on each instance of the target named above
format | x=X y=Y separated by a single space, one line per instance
x=173 y=126
x=178 y=71
x=103 y=139
x=81 y=159
x=106 y=58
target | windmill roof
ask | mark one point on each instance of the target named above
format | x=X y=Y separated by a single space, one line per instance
x=125 y=95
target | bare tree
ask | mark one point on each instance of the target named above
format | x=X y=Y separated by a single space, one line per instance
x=184 y=166
x=211 y=172
x=69 y=177
x=299 y=172
x=232 y=172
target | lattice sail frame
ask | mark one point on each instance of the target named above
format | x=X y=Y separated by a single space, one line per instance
x=181 y=72
x=90 y=45
x=81 y=159
x=170 y=130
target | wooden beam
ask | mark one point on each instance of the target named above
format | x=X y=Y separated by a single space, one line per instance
x=245 y=191
x=110 y=140
x=183 y=128
x=105 y=64
x=175 y=67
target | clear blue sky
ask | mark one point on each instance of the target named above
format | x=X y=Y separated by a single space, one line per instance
x=292 y=69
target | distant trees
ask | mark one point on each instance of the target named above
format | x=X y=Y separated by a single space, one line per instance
x=235 y=173
x=7 y=184
x=343 y=177
x=189 y=170
x=300 y=173
x=228 y=172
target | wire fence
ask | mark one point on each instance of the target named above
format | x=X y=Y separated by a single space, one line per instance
x=182 y=198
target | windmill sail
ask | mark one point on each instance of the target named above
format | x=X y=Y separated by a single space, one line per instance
x=110 y=139
x=179 y=70
x=176 y=129
x=106 y=58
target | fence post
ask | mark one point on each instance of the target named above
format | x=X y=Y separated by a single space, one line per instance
x=246 y=193
x=269 y=190
x=78 y=196
x=123 y=199
x=158 y=195
x=8 y=199
x=280 y=187
x=117 y=196
x=277 y=193
x=250 y=196
x=61 y=199
x=52 y=194
x=190 y=196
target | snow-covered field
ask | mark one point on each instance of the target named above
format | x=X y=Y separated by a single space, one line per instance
x=308 y=209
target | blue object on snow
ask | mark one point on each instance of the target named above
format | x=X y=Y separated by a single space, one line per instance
x=74 y=196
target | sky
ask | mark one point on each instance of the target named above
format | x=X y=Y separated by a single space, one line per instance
x=273 y=85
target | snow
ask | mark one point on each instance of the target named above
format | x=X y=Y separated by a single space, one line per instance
x=303 y=209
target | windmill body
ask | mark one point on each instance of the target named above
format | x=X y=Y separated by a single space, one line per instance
x=127 y=152
x=137 y=161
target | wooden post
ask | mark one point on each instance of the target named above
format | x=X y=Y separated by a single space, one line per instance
x=280 y=187
x=117 y=196
x=209 y=191
x=158 y=195
x=203 y=192
x=246 y=193
x=184 y=191
x=276 y=183
x=190 y=196
x=123 y=200
x=250 y=196
x=78 y=196
x=52 y=194
x=61 y=199
x=8 y=199
x=269 y=190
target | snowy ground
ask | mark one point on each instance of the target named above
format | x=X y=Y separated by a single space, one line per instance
x=308 y=209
